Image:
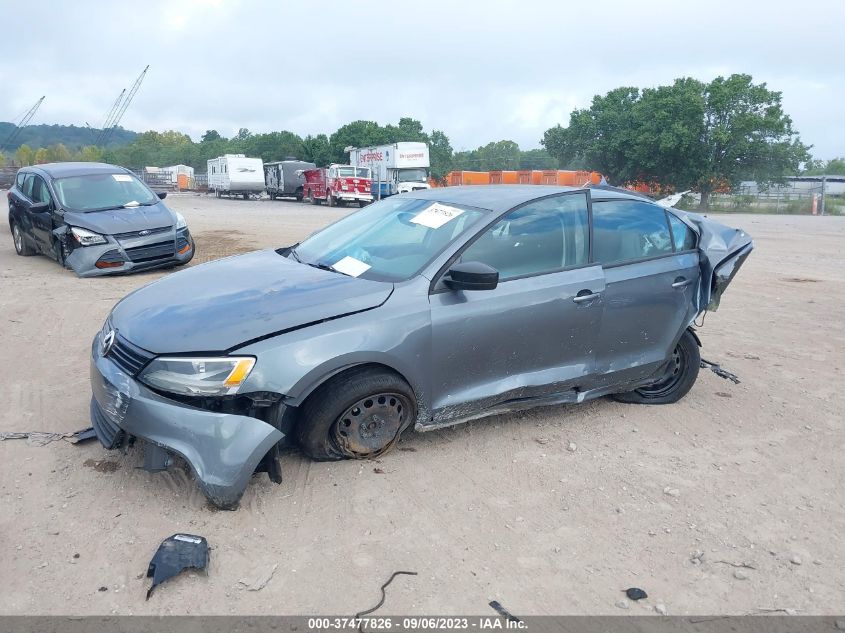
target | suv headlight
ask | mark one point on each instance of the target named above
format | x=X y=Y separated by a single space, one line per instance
x=180 y=221
x=87 y=238
x=198 y=376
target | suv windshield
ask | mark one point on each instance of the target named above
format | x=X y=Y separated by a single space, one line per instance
x=97 y=192
x=391 y=240
x=412 y=175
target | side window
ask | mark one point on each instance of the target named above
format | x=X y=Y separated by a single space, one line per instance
x=628 y=230
x=27 y=186
x=541 y=237
x=682 y=234
x=19 y=179
x=40 y=192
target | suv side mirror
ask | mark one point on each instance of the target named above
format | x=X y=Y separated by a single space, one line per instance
x=162 y=195
x=471 y=276
x=39 y=207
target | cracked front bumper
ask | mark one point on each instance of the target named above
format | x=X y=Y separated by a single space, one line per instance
x=122 y=256
x=222 y=449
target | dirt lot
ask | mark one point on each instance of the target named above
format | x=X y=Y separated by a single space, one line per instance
x=496 y=509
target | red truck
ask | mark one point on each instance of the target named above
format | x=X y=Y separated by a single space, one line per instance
x=337 y=185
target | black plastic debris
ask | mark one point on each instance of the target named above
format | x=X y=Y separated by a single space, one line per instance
x=503 y=612
x=635 y=593
x=175 y=554
x=717 y=369
x=83 y=436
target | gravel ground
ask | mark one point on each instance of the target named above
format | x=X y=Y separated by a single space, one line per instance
x=728 y=502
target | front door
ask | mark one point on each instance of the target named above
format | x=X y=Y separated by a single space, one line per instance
x=652 y=286
x=534 y=334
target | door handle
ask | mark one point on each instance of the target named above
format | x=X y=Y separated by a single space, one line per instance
x=680 y=282
x=588 y=296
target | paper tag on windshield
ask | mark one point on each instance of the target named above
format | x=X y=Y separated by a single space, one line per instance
x=436 y=215
x=122 y=177
x=351 y=266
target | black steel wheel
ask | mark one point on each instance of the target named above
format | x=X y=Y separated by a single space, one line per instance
x=359 y=413
x=21 y=246
x=680 y=375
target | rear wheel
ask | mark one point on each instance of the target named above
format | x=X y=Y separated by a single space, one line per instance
x=22 y=248
x=357 y=414
x=299 y=195
x=679 y=378
x=246 y=196
x=311 y=198
x=329 y=198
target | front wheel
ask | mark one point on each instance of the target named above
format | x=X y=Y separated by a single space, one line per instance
x=329 y=198
x=679 y=378
x=357 y=414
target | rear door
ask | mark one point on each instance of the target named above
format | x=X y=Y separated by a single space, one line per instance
x=652 y=286
x=42 y=221
x=533 y=335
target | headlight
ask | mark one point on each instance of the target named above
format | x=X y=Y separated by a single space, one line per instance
x=87 y=238
x=198 y=376
x=180 y=221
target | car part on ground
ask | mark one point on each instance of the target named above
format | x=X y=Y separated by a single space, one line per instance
x=176 y=554
x=427 y=309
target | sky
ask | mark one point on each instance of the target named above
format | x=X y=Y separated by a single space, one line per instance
x=479 y=71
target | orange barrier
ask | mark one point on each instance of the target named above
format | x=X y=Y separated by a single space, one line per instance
x=504 y=177
x=566 y=177
x=457 y=178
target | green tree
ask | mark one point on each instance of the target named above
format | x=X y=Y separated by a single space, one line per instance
x=833 y=167
x=91 y=154
x=317 y=150
x=440 y=153
x=356 y=134
x=24 y=155
x=687 y=135
x=210 y=135
x=2 y=159
x=58 y=153
x=273 y=146
x=536 y=159
x=41 y=156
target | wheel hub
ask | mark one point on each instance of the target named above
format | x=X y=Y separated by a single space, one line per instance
x=371 y=424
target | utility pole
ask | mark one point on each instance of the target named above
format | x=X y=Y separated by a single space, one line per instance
x=824 y=182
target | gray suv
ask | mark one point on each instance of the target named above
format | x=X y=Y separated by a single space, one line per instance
x=95 y=218
x=426 y=309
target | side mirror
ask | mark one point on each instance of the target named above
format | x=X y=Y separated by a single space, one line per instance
x=471 y=276
x=39 y=207
x=162 y=195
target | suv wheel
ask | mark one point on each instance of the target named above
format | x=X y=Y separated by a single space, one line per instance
x=21 y=246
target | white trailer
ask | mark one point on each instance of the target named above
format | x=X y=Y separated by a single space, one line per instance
x=235 y=174
x=396 y=168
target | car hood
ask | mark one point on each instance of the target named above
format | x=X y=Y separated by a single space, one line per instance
x=122 y=220
x=221 y=305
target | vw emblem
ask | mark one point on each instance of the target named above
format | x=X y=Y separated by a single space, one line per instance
x=107 y=342
x=144 y=232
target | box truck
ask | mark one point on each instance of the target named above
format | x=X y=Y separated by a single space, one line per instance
x=235 y=174
x=396 y=168
x=285 y=178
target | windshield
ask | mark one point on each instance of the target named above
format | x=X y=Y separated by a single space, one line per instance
x=391 y=240
x=96 y=192
x=412 y=175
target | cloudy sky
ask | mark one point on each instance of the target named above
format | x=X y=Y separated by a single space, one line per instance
x=480 y=71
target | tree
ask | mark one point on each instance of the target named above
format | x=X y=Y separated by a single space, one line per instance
x=24 y=155
x=210 y=135
x=687 y=135
x=41 y=156
x=317 y=150
x=440 y=154
x=833 y=167
x=536 y=159
x=58 y=153
x=91 y=154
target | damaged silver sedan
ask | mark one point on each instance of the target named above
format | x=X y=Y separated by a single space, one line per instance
x=426 y=309
x=96 y=219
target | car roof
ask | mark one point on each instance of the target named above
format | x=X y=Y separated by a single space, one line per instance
x=62 y=170
x=499 y=198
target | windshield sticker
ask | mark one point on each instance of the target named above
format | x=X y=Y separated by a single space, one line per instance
x=351 y=266
x=436 y=215
x=122 y=177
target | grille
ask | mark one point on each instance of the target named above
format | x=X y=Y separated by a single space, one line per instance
x=151 y=251
x=130 y=358
x=131 y=234
x=109 y=434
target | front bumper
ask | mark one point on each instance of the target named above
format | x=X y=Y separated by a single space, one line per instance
x=348 y=196
x=133 y=254
x=222 y=449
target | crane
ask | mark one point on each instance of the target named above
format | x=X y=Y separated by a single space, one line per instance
x=122 y=106
x=109 y=117
x=21 y=124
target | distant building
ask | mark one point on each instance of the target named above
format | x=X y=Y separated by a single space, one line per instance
x=798 y=185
